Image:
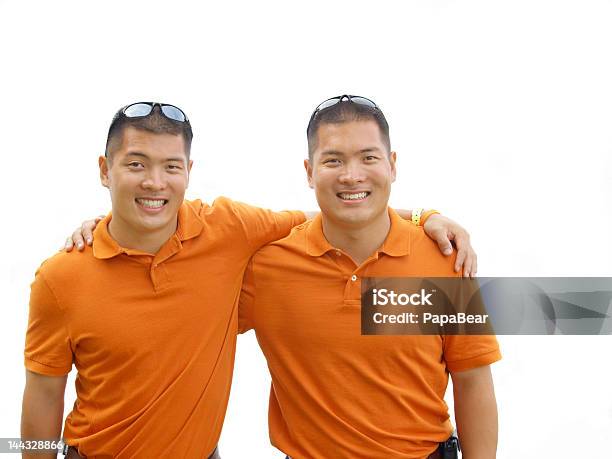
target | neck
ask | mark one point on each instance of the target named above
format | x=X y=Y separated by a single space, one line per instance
x=360 y=242
x=148 y=242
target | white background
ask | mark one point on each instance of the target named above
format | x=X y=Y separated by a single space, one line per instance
x=501 y=114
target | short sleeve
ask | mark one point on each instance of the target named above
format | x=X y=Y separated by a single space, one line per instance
x=246 y=304
x=47 y=347
x=263 y=226
x=465 y=352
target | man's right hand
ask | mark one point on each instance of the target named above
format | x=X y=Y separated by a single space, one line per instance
x=82 y=235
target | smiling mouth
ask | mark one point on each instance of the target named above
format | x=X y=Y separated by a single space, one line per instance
x=152 y=203
x=353 y=196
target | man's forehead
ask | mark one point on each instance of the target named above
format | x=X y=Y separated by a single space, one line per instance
x=352 y=136
x=141 y=141
x=133 y=134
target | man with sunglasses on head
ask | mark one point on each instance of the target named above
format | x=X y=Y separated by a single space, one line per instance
x=147 y=314
x=336 y=393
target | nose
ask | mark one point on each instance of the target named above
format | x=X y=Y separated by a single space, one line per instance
x=351 y=173
x=154 y=180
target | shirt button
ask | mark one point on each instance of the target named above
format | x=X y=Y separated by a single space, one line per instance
x=353 y=278
x=338 y=253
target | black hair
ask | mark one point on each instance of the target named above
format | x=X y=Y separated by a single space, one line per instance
x=343 y=112
x=156 y=122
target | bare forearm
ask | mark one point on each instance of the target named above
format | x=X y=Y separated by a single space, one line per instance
x=422 y=214
x=41 y=423
x=42 y=410
x=310 y=214
x=406 y=214
x=476 y=417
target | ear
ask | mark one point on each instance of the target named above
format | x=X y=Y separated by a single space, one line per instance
x=103 y=165
x=189 y=165
x=392 y=160
x=308 y=168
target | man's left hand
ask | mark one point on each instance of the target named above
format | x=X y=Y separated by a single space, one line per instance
x=447 y=232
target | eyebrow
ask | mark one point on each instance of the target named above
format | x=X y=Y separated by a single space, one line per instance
x=142 y=155
x=339 y=153
x=370 y=150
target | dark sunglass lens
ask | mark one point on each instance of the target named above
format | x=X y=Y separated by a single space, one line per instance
x=363 y=101
x=173 y=113
x=328 y=103
x=136 y=110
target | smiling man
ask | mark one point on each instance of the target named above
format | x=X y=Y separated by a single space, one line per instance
x=147 y=315
x=336 y=393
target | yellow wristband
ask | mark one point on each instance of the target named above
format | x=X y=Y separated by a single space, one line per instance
x=426 y=215
x=416 y=216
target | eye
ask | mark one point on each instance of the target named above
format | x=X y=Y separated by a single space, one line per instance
x=370 y=158
x=332 y=162
x=135 y=165
x=174 y=167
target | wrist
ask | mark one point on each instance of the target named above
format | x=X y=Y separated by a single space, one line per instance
x=425 y=216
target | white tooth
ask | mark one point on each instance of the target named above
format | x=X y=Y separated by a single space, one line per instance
x=348 y=196
x=151 y=202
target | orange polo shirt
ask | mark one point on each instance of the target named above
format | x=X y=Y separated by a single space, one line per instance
x=152 y=336
x=336 y=393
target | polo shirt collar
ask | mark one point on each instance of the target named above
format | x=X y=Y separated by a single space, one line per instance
x=189 y=226
x=397 y=242
x=316 y=244
x=190 y=223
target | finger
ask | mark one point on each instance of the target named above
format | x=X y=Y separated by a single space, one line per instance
x=460 y=260
x=77 y=239
x=87 y=232
x=464 y=251
x=467 y=264
x=88 y=227
x=470 y=266
x=474 y=268
x=444 y=243
x=68 y=245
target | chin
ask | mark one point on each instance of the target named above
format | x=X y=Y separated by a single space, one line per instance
x=353 y=220
x=363 y=217
x=154 y=225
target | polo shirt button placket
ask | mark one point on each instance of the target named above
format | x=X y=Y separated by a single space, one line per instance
x=153 y=275
x=353 y=289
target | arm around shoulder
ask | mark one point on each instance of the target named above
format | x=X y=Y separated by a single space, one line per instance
x=446 y=232
x=263 y=226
